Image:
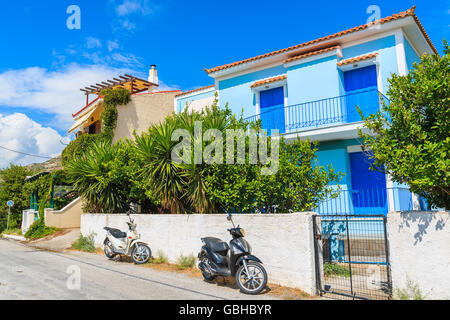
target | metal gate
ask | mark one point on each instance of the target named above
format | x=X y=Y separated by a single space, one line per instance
x=352 y=256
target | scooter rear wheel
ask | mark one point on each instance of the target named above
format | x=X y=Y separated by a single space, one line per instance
x=206 y=275
x=108 y=251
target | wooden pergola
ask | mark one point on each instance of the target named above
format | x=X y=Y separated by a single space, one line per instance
x=131 y=83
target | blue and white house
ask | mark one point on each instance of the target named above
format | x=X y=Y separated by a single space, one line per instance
x=311 y=90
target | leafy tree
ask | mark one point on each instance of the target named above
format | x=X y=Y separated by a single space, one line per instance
x=207 y=188
x=77 y=147
x=299 y=185
x=12 y=187
x=411 y=135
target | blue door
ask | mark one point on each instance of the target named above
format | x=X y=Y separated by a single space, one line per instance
x=361 y=90
x=271 y=103
x=368 y=187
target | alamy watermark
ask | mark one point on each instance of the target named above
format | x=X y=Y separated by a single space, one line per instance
x=375 y=16
x=74 y=280
x=73 y=22
x=190 y=149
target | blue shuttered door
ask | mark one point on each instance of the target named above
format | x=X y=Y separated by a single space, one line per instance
x=368 y=187
x=271 y=103
x=361 y=90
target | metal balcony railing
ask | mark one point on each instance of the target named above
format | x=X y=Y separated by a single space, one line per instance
x=367 y=201
x=320 y=113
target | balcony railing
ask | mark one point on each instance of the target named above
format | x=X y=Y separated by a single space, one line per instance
x=367 y=201
x=320 y=113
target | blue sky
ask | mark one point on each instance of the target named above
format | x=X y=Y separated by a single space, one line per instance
x=43 y=63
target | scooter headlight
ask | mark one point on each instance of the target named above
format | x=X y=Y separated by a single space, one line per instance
x=243 y=232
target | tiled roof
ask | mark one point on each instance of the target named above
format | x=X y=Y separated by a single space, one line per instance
x=401 y=15
x=311 y=53
x=357 y=59
x=267 y=81
x=195 y=90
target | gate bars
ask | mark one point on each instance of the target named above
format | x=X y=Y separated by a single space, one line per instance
x=352 y=256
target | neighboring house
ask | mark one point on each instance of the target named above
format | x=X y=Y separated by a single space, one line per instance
x=311 y=90
x=147 y=106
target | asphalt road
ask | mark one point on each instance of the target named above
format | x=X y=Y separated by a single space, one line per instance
x=29 y=273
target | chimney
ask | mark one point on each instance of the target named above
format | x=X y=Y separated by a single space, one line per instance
x=153 y=77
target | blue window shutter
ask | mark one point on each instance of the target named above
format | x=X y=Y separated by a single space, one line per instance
x=359 y=79
x=271 y=103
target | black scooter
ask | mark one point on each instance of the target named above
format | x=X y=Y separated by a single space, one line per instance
x=218 y=259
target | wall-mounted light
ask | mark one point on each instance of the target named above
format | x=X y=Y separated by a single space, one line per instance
x=355 y=65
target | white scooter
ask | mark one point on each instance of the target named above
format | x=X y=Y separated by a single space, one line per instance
x=121 y=243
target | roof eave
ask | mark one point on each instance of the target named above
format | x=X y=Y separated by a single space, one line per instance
x=339 y=40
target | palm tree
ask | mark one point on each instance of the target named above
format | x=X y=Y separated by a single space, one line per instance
x=99 y=177
x=162 y=176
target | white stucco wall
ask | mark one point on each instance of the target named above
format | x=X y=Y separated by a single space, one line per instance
x=28 y=218
x=284 y=242
x=420 y=250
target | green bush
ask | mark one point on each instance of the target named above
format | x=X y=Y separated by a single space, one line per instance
x=84 y=243
x=77 y=147
x=333 y=269
x=186 y=262
x=160 y=258
x=39 y=230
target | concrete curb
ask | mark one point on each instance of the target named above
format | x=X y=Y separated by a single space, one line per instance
x=13 y=237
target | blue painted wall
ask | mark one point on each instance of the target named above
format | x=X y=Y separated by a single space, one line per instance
x=387 y=56
x=313 y=80
x=411 y=55
x=181 y=101
x=238 y=94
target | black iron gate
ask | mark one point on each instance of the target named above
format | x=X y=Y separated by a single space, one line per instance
x=352 y=256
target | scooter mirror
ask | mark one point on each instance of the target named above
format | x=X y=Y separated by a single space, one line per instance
x=229 y=217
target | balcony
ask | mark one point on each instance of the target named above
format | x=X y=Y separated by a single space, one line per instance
x=374 y=201
x=320 y=113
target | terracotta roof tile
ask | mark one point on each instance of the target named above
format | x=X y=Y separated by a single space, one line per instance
x=267 y=81
x=401 y=15
x=357 y=59
x=311 y=53
x=195 y=90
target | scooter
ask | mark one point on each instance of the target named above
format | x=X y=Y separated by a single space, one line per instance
x=121 y=243
x=217 y=258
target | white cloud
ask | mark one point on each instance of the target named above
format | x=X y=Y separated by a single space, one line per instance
x=113 y=45
x=92 y=42
x=52 y=92
x=139 y=7
x=20 y=133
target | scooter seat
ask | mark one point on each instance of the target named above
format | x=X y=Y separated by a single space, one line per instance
x=116 y=233
x=215 y=244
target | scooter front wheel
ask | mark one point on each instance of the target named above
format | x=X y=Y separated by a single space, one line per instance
x=253 y=280
x=141 y=253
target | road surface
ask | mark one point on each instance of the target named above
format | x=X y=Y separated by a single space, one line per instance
x=29 y=273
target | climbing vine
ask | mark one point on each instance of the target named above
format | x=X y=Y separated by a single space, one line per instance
x=111 y=99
